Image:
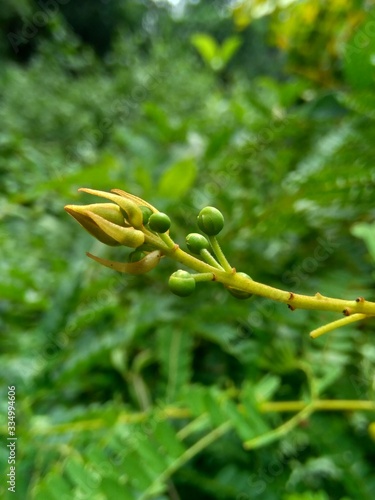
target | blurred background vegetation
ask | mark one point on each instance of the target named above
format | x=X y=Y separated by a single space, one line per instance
x=264 y=109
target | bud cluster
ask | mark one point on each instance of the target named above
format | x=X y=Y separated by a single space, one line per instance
x=132 y=222
x=128 y=221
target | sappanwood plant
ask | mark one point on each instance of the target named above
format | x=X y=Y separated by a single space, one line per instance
x=132 y=222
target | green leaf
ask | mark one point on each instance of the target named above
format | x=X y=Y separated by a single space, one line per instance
x=149 y=454
x=113 y=489
x=255 y=420
x=266 y=387
x=194 y=399
x=367 y=233
x=331 y=375
x=308 y=495
x=81 y=477
x=359 y=53
x=229 y=48
x=360 y=101
x=174 y=346
x=242 y=425
x=53 y=487
x=178 y=179
x=206 y=45
x=139 y=473
x=43 y=492
x=144 y=179
x=215 y=406
x=166 y=437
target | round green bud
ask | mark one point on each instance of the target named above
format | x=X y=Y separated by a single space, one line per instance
x=159 y=222
x=210 y=221
x=136 y=256
x=239 y=294
x=196 y=242
x=182 y=283
x=146 y=213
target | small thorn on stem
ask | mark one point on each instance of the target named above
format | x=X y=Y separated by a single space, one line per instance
x=347 y=312
x=360 y=299
x=291 y=296
x=318 y=296
x=292 y=308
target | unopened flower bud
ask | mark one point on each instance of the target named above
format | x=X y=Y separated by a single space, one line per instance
x=196 y=243
x=108 y=211
x=159 y=222
x=210 y=221
x=130 y=208
x=182 y=283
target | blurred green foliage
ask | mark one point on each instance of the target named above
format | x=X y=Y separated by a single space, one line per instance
x=124 y=390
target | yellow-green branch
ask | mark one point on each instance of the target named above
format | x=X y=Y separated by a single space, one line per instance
x=294 y=300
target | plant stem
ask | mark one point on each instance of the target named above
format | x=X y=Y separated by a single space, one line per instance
x=319 y=405
x=219 y=254
x=167 y=239
x=194 y=426
x=204 y=277
x=294 y=300
x=205 y=254
x=186 y=456
x=336 y=324
x=280 y=431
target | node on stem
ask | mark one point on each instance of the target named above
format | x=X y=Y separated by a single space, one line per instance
x=239 y=294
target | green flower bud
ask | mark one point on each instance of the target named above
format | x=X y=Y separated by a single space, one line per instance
x=159 y=222
x=210 y=221
x=146 y=213
x=196 y=242
x=239 y=294
x=182 y=283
